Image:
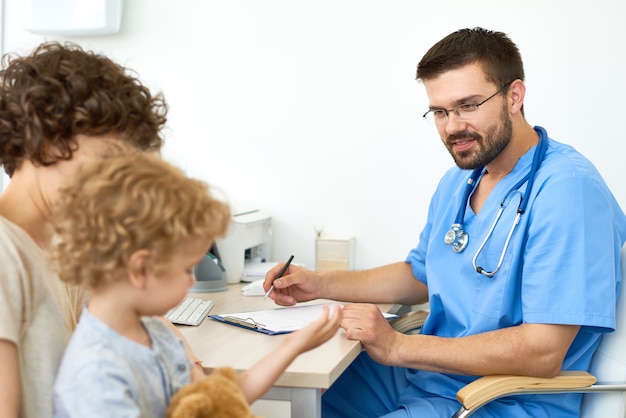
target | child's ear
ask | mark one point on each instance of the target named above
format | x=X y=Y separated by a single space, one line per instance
x=139 y=267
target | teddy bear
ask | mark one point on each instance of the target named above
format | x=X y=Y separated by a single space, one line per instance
x=216 y=396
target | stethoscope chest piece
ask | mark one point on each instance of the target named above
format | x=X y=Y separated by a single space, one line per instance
x=457 y=238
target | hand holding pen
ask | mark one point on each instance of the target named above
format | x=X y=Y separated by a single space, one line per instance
x=280 y=274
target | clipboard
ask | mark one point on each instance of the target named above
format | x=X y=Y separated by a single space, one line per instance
x=277 y=321
x=247 y=323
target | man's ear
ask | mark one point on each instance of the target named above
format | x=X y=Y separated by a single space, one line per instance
x=517 y=91
x=140 y=267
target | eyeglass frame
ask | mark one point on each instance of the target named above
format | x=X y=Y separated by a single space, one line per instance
x=455 y=109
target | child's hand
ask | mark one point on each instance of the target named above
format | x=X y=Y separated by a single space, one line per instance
x=318 y=331
x=255 y=381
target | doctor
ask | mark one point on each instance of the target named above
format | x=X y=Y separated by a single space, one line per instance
x=519 y=257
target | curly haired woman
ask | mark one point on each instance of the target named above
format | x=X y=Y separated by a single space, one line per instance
x=60 y=107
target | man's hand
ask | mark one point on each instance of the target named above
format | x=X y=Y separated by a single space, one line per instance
x=296 y=285
x=366 y=323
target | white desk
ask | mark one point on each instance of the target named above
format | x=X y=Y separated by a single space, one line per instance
x=219 y=344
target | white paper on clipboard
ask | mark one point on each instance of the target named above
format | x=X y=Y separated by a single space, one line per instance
x=278 y=320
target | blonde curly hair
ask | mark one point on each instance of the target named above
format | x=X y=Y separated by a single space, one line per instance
x=125 y=203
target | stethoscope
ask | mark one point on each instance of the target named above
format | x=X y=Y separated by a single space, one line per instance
x=458 y=238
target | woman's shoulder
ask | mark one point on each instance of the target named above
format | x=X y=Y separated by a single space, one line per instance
x=15 y=241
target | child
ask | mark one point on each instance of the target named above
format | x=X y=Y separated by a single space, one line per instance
x=131 y=231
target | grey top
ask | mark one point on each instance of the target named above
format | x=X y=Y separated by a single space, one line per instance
x=104 y=374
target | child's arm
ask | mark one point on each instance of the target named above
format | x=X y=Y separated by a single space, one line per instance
x=257 y=380
x=197 y=372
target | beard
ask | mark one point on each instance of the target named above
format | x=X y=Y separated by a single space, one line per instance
x=496 y=139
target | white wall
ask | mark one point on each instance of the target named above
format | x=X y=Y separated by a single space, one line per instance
x=310 y=111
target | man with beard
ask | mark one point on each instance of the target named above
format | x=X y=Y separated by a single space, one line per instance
x=519 y=258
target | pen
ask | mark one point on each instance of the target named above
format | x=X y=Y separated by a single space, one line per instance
x=282 y=271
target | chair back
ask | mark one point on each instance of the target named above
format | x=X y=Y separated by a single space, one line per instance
x=609 y=363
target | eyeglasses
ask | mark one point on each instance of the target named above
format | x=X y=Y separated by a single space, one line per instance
x=464 y=111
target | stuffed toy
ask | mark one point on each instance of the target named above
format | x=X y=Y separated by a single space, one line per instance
x=216 y=396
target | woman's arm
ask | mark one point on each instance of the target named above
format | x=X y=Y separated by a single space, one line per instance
x=9 y=380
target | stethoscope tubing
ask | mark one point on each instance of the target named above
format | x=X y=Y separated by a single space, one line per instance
x=459 y=239
x=518 y=216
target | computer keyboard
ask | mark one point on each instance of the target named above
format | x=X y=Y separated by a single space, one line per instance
x=191 y=311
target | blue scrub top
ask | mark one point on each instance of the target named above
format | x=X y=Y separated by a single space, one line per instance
x=562 y=267
x=562 y=264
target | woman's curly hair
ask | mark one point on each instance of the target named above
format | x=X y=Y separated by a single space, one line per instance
x=60 y=91
x=125 y=203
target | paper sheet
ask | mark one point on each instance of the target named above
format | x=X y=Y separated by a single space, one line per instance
x=279 y=320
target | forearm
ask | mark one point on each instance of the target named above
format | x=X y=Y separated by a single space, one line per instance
x=258 y=379
x=9 y=380
x=393 y=283
x=532 y=349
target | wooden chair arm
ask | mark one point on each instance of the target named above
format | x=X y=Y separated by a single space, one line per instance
x=486 y=388
x=410 y=321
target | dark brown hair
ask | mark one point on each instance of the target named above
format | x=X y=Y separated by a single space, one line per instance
x=498 y=55
x=60 y=91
